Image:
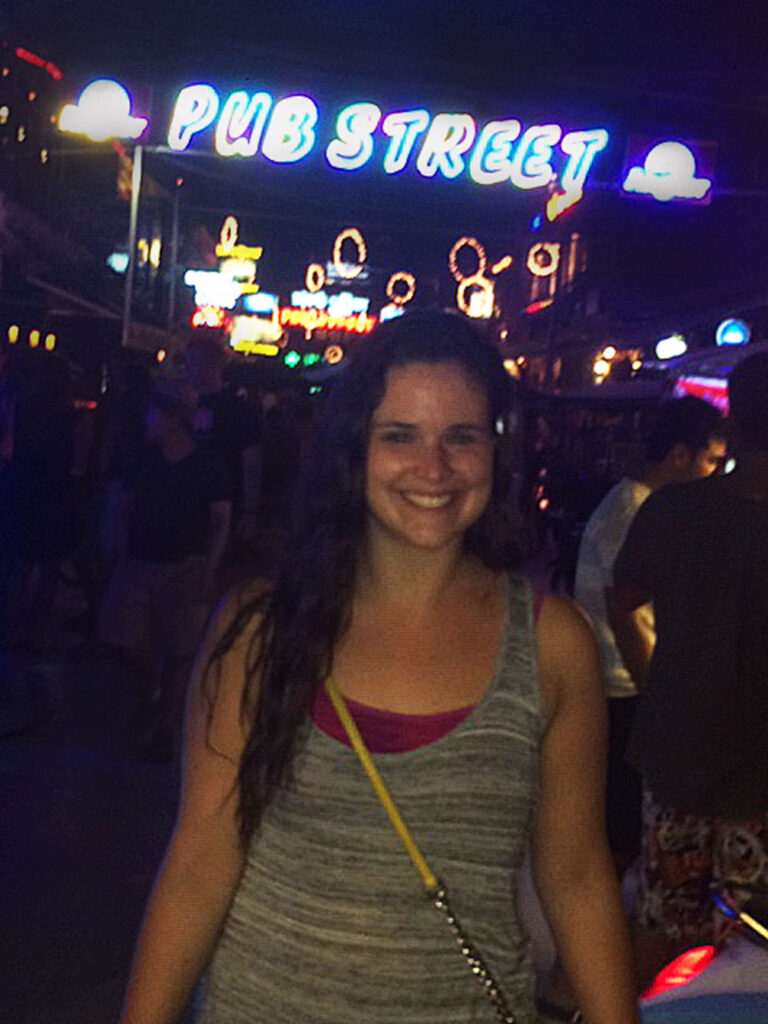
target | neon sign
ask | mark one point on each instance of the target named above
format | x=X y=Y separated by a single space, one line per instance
x=344 y=304
x=732 y=332
x=320 y=320
x=102 y=111
x=669 y=171
x=443 y=144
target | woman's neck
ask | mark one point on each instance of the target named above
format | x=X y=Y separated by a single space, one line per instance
x=414 y=577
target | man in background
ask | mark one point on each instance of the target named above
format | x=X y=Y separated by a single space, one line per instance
x=686 y=444
x=699 y=553
x=174 y=522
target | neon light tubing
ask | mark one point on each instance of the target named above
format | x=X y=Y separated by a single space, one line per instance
x=291 y=131
x=448 y=137
x=403 y=127
x=241 y=123
x=491 y=161
x=196 y=108
x=353 y=145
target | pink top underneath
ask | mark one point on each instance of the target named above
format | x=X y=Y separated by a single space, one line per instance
x=385 y=732
x=391 y=732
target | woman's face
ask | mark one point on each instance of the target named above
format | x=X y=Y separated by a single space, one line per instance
x=430 y=455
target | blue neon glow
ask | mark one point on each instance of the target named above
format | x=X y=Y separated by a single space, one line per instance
x=448 y=137
x=241 y=122
x=354 y=143
x=260 y=302
x=582 y=148
x=532 y=163
x=195 y=109
x=491 y=158
x=118 y=261
x=733 y=332
x=291 y=131
x=403 y=127
x=669 y=172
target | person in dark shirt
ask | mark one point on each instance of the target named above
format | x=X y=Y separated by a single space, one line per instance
x=229 y=422
x=176 y=510
x=699 y=552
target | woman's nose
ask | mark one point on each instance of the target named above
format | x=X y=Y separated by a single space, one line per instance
x=433 y=462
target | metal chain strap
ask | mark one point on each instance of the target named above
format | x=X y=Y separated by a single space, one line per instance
x=474 y=958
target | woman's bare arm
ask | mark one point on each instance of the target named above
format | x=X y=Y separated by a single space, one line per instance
x=204 y=860
x=573 y=869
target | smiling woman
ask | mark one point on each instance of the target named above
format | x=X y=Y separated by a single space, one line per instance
x=394 y=621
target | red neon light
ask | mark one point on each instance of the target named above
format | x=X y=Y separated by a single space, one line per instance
x=319 y=320
x=711 y=389
x=32 y=58
x=681 y=971
x=536 y=307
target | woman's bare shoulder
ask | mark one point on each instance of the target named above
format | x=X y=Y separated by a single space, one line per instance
x=568 y=657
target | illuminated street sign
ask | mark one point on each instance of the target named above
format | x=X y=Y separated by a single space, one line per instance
x=443 y=144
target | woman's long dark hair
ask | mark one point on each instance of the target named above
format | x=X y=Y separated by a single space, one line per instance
x=306 y=611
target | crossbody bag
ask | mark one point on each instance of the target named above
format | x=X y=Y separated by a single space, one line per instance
x=435 y=888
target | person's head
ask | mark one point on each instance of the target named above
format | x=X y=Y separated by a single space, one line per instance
x=205 y=358
x=748 y=398
x=412 y=422
x=687 y=439
x=170 y=410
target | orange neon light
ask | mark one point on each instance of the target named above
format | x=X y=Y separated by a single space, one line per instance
x=319 y=320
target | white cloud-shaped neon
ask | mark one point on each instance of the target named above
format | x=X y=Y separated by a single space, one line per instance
x=669 y=173
x=102 y=111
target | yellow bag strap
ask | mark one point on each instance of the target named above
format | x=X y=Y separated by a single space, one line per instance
x=429 y=879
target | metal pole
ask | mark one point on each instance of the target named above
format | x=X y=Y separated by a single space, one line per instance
x=138 y=151
x=174 y=259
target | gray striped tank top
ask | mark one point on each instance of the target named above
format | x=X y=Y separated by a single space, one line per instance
x=331 y=925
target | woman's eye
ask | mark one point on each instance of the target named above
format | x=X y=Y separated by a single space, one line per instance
x=464 y=437
x=397 y=437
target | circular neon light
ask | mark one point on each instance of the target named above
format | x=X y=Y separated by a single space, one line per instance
x=315 y=278
x=482 y=259
x=410 y=284
x=229 y=232
x=349 y=270
x=733 y=332
x=550 y=251
x=333 y=354
x=464 y=301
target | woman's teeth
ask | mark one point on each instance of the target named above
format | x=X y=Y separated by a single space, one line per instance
x=427 y=500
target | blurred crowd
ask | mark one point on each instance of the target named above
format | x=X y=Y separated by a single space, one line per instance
x=144 y=504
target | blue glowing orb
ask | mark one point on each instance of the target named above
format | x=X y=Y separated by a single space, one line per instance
x=732 y=332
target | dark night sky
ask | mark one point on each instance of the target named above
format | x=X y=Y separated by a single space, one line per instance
x=713 y=47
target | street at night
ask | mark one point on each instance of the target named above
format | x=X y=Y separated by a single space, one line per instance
x=383 y=513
